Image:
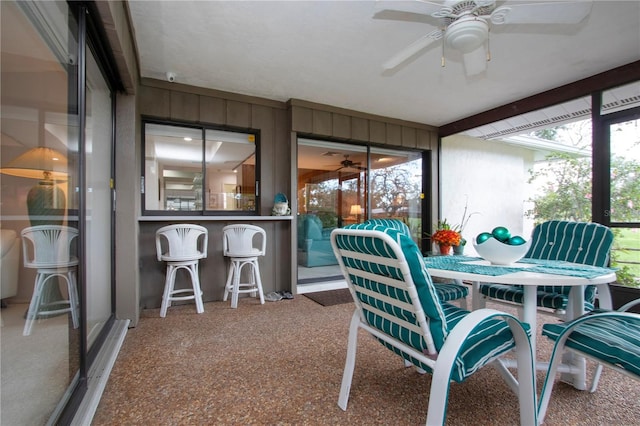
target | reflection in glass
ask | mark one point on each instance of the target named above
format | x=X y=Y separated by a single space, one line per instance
x=40 y=138
x=173 y=160
x=396 y=188
x=230 y=170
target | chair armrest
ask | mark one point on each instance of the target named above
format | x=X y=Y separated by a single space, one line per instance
x=450 y=351
x=629 y=305
x=466 y=326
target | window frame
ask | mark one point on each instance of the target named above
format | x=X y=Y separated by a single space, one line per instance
x=203 y=127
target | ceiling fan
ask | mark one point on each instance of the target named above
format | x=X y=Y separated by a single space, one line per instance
x=348 y=164
x=464 y=25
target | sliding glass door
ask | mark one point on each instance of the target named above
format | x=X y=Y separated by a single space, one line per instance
x=341 y=184
x=56 y=169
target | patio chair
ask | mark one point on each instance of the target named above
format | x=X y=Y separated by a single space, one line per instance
x=447 y=292
x=575 y=242
x=397 y=303
x=611 y=338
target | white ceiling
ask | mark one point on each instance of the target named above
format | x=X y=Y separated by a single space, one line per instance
x=331 y=52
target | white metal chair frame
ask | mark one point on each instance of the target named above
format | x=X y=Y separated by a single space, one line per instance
x=239 y=246
x=443 y=362
x=186 y=245
x=47 y=248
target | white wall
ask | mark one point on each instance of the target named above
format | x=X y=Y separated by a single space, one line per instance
x=492 y=178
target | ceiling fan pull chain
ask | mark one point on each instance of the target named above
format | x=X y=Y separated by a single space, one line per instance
x=442 y=59
x=489 y=45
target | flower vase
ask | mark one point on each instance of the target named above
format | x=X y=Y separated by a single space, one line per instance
x=445 y=249
x=458 y=250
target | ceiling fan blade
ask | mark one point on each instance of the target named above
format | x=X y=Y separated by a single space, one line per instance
x=414 y=6
x=475 y=62
x=412 y=49
x=565 y=12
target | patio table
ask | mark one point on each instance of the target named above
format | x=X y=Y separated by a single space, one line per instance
x=531 y=273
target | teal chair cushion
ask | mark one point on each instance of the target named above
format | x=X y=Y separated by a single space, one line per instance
x=393 y=224
x=421 y=278
x=490 y=339
x=613 y=339
x=446 y=292
x=586 y=243
x=545 y=297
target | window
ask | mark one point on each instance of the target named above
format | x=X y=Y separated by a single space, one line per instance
x=198 y=170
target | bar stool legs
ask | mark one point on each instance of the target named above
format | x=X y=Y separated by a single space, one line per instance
x=42 y=278
x=235 y=287
x=170 y=294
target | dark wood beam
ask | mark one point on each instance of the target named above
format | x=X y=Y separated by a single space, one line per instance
x=606 y=80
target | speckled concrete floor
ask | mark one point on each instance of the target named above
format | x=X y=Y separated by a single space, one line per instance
x=281 y=364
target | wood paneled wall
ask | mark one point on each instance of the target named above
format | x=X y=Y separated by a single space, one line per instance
x=278 y=123
x=326 y=121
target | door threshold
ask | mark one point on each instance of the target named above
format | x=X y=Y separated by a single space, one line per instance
x=320 y=286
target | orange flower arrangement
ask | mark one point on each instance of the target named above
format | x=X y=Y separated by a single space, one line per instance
x=447 y=237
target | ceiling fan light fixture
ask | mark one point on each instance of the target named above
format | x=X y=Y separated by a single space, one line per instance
x=467 y=34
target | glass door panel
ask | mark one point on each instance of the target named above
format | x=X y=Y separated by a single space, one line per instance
x=332 y=188
x=98 y=147
x=396 y=188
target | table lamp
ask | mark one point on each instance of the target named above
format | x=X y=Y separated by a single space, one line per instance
x=48 y=165
x=356 y=210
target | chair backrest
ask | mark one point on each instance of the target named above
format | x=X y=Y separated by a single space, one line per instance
x=390 y=283
x=48 y=246
x=587 y=243
x=244 y=240
x=181 y=242
x=578 y=242
x=392 y=223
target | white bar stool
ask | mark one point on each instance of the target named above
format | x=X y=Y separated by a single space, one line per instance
x=239 y=245
x=185 y=245
x=47 y=248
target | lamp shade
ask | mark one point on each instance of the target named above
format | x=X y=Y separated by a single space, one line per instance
x=38 y=163
x=355 y=209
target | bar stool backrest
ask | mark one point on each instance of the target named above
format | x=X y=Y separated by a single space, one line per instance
x=244 y=240
x=48 y=246
x=180 y=242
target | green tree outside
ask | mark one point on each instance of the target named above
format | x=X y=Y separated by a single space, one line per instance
x=565 y=194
